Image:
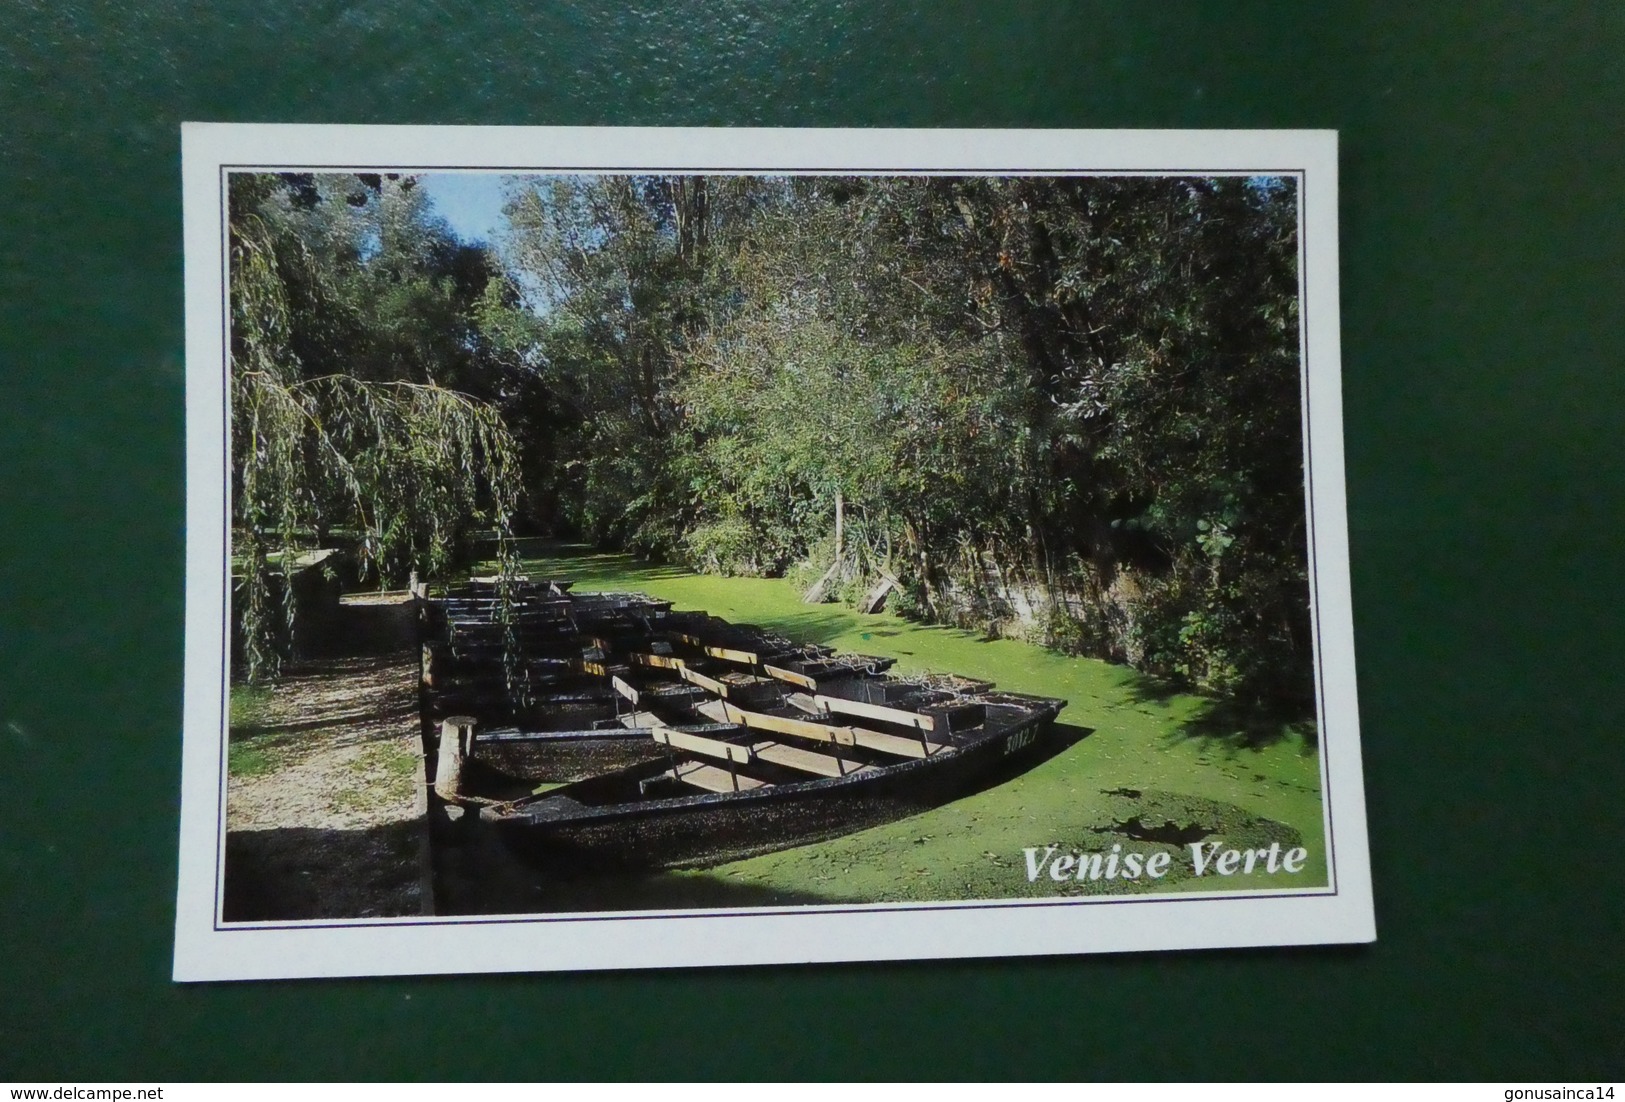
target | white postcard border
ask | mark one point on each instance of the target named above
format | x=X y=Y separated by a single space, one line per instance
x=205 y=949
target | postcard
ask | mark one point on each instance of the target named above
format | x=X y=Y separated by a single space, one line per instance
x=630 y=548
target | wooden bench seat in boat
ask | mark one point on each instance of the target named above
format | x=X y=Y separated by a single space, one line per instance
x=710 y=778
x=895 y=745
x=790 y=757
x=789 y=676
x=876 y=712
x=701 y=744
x=807 y=761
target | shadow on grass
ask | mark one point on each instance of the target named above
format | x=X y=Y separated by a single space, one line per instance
x=289 y=874
x=1251 y=726
x=588 y=567
x=1062 y=737
x=293 y=873
x=812 y=626
x=280 y=731
x=475 y=874
x=1236 y=724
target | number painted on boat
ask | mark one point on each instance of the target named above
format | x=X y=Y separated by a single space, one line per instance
x=1021 y=739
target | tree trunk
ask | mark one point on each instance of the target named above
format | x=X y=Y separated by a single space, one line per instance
x=916 y=535
x=820 y=589
x=448 y=774
x=840 y=527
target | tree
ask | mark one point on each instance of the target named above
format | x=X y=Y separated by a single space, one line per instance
x=1085 y=387
x=809 y=411
x=404 y=463
x=621 y=272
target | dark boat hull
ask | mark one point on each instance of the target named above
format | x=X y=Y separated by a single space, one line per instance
x=713 y=828
x=571 y=757
x=736 y=741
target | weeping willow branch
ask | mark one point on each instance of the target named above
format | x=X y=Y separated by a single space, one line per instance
x=407 y=467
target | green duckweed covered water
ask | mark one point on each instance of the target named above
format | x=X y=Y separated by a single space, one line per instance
x=1140 y=767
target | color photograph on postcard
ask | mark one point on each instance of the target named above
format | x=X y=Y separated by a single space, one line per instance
x=864 y=548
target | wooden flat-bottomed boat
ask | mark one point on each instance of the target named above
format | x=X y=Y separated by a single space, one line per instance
x=763 y=781
x=541 y=683
x=696 y=741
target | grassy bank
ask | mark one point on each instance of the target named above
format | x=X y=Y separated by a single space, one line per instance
x=1136 y=765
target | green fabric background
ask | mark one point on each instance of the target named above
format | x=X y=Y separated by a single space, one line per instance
x=1482 y=252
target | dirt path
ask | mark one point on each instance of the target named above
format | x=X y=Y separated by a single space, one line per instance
x=320 y=799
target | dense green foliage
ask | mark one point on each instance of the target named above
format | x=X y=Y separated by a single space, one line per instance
x=1066 y=408
x=1063 y=406
x=350 y=311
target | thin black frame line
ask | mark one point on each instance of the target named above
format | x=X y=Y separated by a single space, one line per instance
x=225 y=550
x=1322 y=710
x=643 y=170
x=1301 y=176
x=775 y=912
